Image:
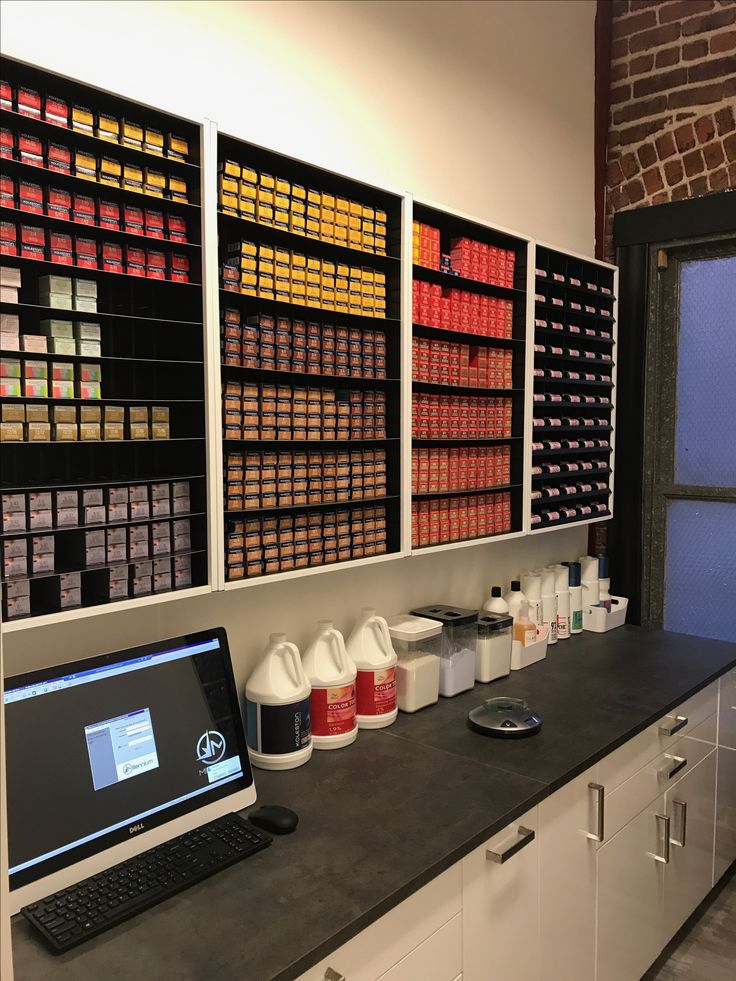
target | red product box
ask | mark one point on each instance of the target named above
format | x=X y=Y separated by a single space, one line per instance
x=8 y=238
x=135 y=261
x=60 y=248
x=58 y=158
x=7 y=192
x=154 y=224
x=176 y=228
x=178 y=268
x=133 y=219
x=7 y=143
x=32 y=242
x=30 y=150
x=85 y=250
x=83 y=209
x=58 y=203
x=155 y=265
x=109 y=214
x=6 y=95
x=110 y=252
x=56 y=111
x=29 y=103
x=30 y=197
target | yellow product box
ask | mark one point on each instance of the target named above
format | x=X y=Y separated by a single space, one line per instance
x=282 y=256
x=264 y=213
x=266 y=252
x=281 y=218
x=109 y=172
x=314 y=278
x=266 y=267
x=341 y=219
x=379 y=291
x=249 y=290
x=265 y=196
x=229 y=184
x=379 y=278
x=341 y=283
x=249 y=175
x=328 y=200
x=354 y=238
x=298 y=207
x=368 y=227
x=82 y=120
x=132 y=177
x=368 y=242
x=367 y=291
x=380 y=246
x=107 y=128
x=314 y=263
x=132 y=134
x=298 y=260
x=356 y=209
x=153 y=141
x=297 y=224
x=298 y=292
x=341 y=304
x=328 y=214
x=312 y=228
x=230 y=168
x=266 y=181
x=85 y=165
x=327 y=299
x=327 y=231
x=248 y=263
x=155 y=182
x=265 y=282
x=367 y=275
x=298 y=275
x=283 y=186
x=248 y=279
x=369 y=214
x=381 y=216
x=248 y=248
x=341 y=235
x=328 y=268
x=247 y=191
x=298 y=192
x=265 y=294
x=342 y=269
x=177 y=189
x=313 y=211
x=314 y=197
x=281 y=200
x=342 y=204
x=248 y=209
x=313 y=296
x=177 y=147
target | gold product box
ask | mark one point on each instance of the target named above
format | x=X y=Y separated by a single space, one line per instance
x=153 y=141
x=107 y=128
x=177 y=147
x=83 y=120
x=132 y=134
x=230 y=168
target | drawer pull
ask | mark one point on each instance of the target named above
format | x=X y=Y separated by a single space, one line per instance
x=332 y=975
x=525 y=837
x=673 y=725
x=676 y=764
x=599 y=791
x=664 y=821
x=681 y=839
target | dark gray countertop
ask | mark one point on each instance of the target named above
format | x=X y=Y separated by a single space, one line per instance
x=381 y=818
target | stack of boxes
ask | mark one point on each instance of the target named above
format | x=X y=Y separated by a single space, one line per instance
x=483 y=263
x=469 y=417
x=425 y=245
x=279 y=203
x=446 y=470
x=285 y=412
x=282 y=344
x=274 y=273
x=455 y=309
x=456 y=519
x=257 y=480
x=265 y=545
x=31 y=422
x=445 y=363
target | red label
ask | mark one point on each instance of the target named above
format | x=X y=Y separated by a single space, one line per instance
x=376 y=691
x=333 y=710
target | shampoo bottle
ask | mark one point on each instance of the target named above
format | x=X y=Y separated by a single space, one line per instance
x=496 y=603
x=549 y=603
x=277 y=708
x=369 y=648
x=514 y=598
x=332 y=675
x=524 y=630
x=562 y=592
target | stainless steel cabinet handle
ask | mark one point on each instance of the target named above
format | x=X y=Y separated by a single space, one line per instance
x=664 y=821
x=332 y=975
x=673 y=725
x=676 y=764
x=681 y=839
x=600 y=791
x=526 y=836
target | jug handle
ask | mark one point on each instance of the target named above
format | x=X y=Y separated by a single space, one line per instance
x=296 y=661
x=341 y=660
x=383 y=630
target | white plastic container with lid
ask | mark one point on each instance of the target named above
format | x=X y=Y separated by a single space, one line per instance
x=333 y=701
x=459 y=640
x=514 y=598
x=495 y=641
x=495 y=602
x=277 y=708
x=418 y=644
x=369 y=648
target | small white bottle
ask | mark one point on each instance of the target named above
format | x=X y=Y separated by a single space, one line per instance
x=496 y=603
x=576 y=598
x=514 y=598
x=549 y=603
x=332 y=676
x=562 y=592
x=531 y=584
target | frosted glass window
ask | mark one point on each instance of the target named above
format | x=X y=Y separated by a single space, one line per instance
x=700 y=564
x=705 y=440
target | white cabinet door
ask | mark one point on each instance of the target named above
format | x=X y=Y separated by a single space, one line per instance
x=727 y=711
x=725 y=852
x=570 y=821
x=501 y=906
x=690 y=805
x=630 y=897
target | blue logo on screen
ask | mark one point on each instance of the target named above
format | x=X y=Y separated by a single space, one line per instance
x=210 y=747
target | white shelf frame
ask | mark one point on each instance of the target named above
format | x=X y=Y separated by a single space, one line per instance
x=614 y=389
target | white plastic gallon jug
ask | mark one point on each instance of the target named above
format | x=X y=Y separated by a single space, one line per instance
x=369 y=648
x=277 y=708
x=332 y=676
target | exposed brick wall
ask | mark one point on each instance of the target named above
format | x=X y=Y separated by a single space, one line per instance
x=672 y=123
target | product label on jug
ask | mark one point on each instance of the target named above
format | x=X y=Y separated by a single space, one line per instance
x=376 y=691
x=333 y=710
x=278 y=729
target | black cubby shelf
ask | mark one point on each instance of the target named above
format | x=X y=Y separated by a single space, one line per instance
x=151 y=339
x=572 y=279
x=255 y=247
x=440 y=231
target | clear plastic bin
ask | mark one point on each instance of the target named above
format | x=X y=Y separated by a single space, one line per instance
x=493 y=653
x=418 y=644
x=459 y=640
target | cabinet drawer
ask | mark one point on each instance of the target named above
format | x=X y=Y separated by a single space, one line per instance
x=383 y=944
x=727 y=711
x=653 y=779
x=439 y=958
x=616 y=768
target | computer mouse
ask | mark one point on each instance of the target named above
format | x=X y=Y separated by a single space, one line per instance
x=274 y=818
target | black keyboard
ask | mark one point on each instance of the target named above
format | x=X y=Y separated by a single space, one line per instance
x=73 y=915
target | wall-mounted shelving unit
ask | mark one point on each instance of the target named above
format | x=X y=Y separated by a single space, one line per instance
x=311 y=363
x=573 y=397
x=102 y=195
x=469 y=372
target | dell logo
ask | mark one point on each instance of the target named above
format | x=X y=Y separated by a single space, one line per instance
x=135 y=828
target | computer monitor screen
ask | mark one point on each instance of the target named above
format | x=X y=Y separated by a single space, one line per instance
x=103 y=749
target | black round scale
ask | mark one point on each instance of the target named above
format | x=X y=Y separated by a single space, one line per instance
x=504 y=718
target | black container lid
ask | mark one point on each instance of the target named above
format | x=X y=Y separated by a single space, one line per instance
x=516 y=585
x=495 y=591
x=447 y=615
x=488 y=622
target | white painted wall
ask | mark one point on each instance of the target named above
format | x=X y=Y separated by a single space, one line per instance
x=487 y=107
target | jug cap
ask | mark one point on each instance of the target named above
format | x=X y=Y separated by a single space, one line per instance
x=277 y=638
x=325 y=624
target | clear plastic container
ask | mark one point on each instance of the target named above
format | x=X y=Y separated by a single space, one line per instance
x=459 y=639
x=418 y=644
x=493 y=653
